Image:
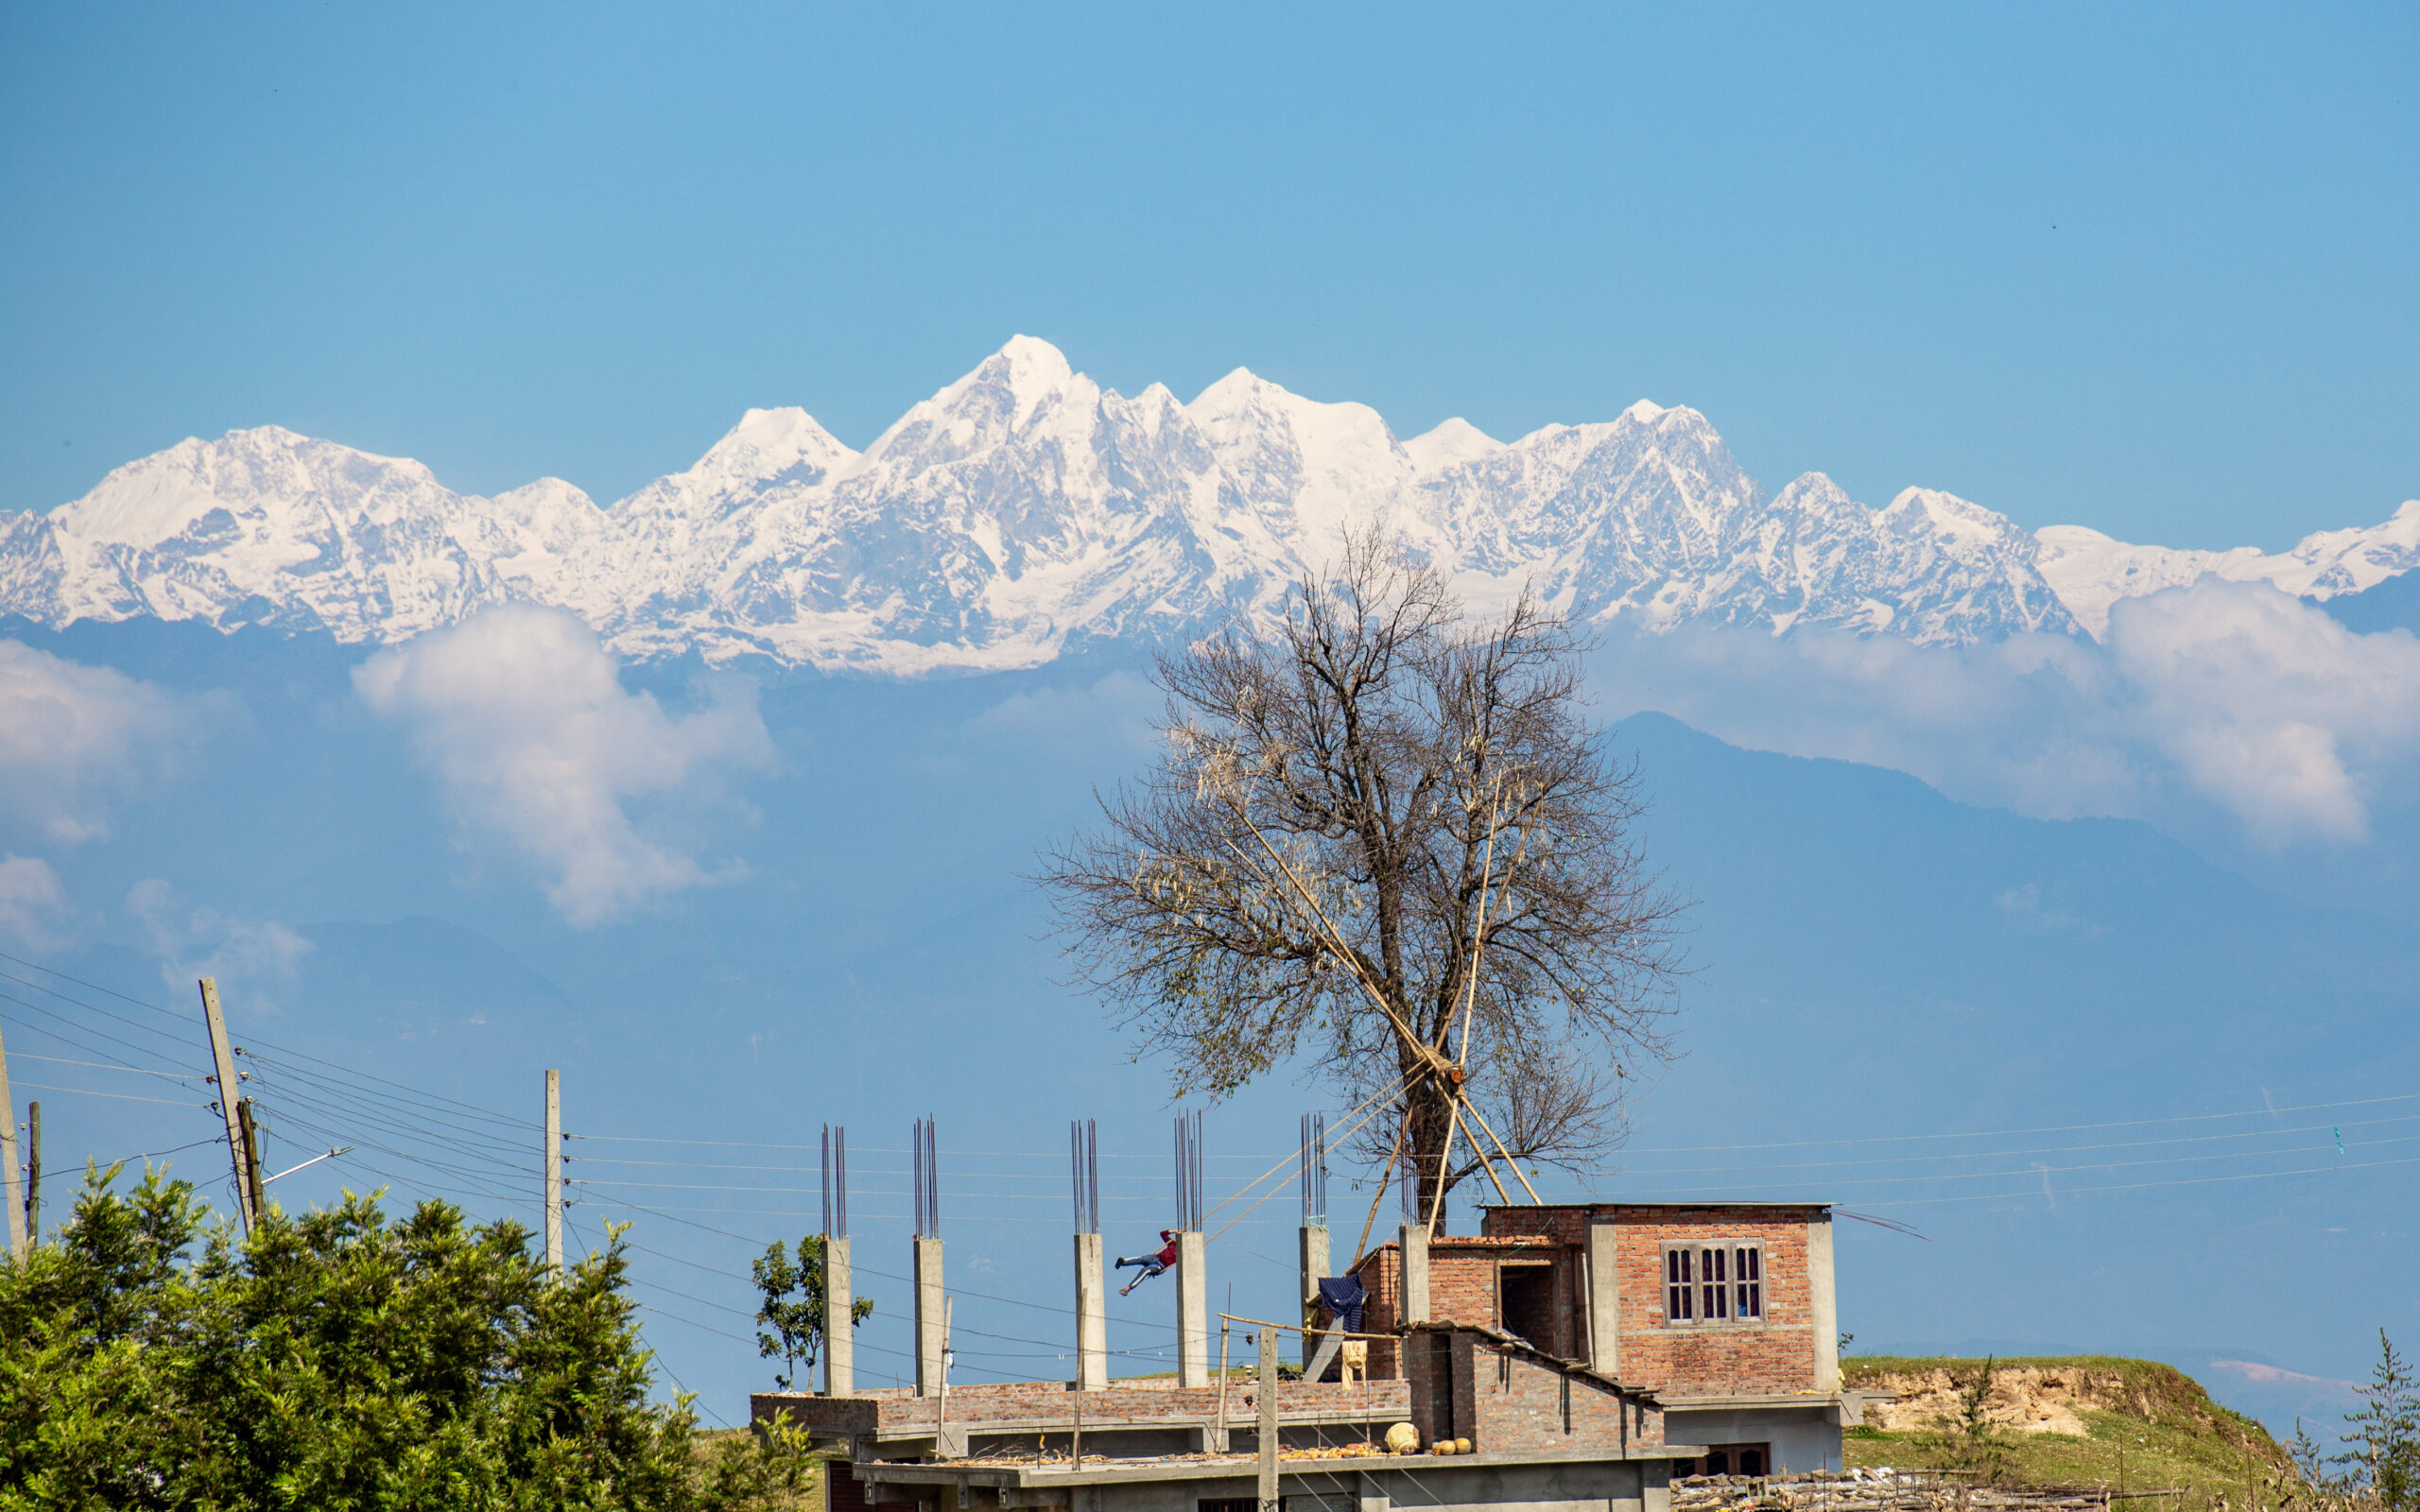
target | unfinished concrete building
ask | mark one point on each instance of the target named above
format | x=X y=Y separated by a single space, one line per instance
x=1568 y=1358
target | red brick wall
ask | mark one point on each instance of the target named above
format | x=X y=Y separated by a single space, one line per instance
x=1519 y=1403
x=1505 y=1398
x=1777 y=1355
x=1381 y=1273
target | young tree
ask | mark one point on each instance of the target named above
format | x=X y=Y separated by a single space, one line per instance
x=2381 y=1465
x=1383 y=832
x=798 y=1326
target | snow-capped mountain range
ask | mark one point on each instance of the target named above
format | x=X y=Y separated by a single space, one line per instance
x=1023 y=510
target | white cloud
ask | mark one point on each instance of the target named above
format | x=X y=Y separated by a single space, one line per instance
x=196 y=942
x=31 y=902
x=2270 y=707
x=73 y=738
x=2232 y=696
x=523 y=715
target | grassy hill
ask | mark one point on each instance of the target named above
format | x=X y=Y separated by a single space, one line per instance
x=2132 y=1425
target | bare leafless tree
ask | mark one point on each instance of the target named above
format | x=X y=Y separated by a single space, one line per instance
x=1383 y=834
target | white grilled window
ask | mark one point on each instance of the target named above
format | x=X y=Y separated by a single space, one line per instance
x=1721 y=1282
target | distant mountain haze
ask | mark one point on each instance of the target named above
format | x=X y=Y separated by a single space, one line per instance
x=1024 y=511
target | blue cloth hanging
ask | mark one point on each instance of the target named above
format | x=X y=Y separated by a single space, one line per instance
x=1343 y=1296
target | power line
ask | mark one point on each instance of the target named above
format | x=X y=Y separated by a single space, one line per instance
x=2048 y=1149
x=83 y=1028
x=2011 y=1133
x=106 y=1065
x=487 y=1163
x=120 y=1097
x=2142 y=1186
x=52 y=970
x=91 y=1007
x=2055 y=1170
x=873 y=1149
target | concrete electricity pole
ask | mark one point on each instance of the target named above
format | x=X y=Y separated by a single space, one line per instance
x=256 y=1190
x=554 y=1167
x=15 y=1196
x=33 y=1173
x=1267 y=1435
x=222 y=1056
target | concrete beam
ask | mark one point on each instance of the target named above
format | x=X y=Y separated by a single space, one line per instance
x=1192 y=1309
x=1092 y=1317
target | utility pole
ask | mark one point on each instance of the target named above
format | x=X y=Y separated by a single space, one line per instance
x=257 y=1190
x=222 y=1058
x=16 y=1197
x=33 y=1173
x=554 y=1171
x=1267 y=1435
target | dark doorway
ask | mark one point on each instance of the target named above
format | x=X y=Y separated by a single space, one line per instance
x=1728 y=1459
x=1526 y=1299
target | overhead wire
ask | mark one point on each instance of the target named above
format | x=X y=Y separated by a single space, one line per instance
x=119 y=1098
x=481 y=1164
x=106 y=1065
x=2048 y=1149
x=2052 y=1128
x=2033 y=1171
x=468 y=1141
x=2141 y=1186
x=82 y=1028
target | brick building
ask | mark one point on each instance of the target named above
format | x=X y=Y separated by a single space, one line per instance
x=1723 y=1310
x=1563 y=1356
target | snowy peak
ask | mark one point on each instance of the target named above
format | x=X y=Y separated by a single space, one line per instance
x=1023 y=509
x=1003 y=398
x=2091 y=571
x=1451 y=443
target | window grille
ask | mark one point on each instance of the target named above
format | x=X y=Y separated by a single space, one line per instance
x=1678 y=1293
x=1748 y=1284
x=1718 y=1283
x=1715 y=1283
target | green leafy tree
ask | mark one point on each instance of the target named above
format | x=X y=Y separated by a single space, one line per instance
x=338 y=1360
x=793 y=1307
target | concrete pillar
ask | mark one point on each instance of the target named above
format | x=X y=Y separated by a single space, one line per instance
x=1092 y=1317
x=1412 y=1241
x=1192 y=1310
x=1822 y=1307
x=1313 y=1252
x=1604 y=1300
x=929 y=1316
x=839 y=1329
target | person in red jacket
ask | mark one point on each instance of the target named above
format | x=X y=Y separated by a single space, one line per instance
x=1155 y=1263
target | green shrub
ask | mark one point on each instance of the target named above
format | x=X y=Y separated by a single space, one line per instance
x=337 y=1360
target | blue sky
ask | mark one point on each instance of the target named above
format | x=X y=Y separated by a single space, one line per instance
x=2148 y=270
